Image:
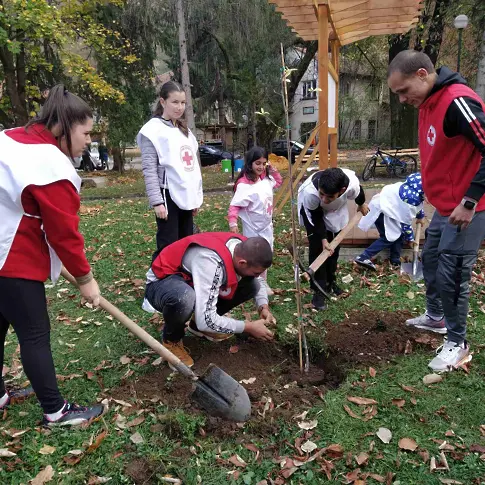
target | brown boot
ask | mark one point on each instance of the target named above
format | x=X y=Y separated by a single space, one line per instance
x=212 y=336
x=178 y=349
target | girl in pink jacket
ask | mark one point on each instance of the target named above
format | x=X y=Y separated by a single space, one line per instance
x=253 y=198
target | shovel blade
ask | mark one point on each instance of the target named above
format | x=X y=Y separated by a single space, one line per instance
x=220 y=395
x=414 y=270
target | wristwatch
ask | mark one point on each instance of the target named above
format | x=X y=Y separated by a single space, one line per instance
x=469 y=204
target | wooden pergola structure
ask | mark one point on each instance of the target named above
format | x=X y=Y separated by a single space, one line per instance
x=335 y=23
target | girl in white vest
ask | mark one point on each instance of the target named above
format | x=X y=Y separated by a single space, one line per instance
x=253 y=199
x=323 y=210
x=39 y=201
x=171 y=168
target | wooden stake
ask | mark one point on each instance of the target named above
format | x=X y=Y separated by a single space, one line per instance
x=323 y=85
x=302 y=343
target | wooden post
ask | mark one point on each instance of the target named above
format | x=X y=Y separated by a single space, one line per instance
x=335 y=46
x=323 y=15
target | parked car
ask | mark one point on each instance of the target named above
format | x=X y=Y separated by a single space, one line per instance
x=210 y=155
x=280 y=148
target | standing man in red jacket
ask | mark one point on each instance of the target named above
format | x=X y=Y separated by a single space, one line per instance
x=452 y=149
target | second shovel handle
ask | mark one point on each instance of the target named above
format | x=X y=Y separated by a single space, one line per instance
x=136 y=330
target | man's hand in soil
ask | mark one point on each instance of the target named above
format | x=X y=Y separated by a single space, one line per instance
x=364 y=209
x=265 y=314
x=461 y=217
x=258 y=330
x=326 y=245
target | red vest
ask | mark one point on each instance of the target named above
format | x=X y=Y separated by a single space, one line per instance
x=448 y=165
x=169 y=261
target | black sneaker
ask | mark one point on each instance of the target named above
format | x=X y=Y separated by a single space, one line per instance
x=74 y=415
x=395 y=264
x=318 y=301
x=335 y=289
x=365 y=262
x=17 y=395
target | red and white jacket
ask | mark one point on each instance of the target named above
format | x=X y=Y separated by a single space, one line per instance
x=39 y=197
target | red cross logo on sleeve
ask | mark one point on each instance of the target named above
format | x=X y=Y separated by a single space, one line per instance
x=431 y=135
x=269 y=208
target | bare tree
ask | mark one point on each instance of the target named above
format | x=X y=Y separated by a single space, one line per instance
x=480 y=86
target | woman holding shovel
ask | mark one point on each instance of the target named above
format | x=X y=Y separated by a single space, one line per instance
x=39 y=201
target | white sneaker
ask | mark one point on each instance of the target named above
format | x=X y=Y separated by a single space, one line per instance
x=450 y=356
x=425 y=322
x=146 y=305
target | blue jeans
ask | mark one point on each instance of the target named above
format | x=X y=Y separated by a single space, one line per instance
x=174 y=298
x=395 y=247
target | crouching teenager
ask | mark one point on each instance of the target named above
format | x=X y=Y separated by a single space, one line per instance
x=206 y=275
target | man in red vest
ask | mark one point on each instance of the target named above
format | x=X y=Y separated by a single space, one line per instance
x=452 y=150
x=207 y=275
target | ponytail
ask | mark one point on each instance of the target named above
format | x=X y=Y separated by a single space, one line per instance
x=165 y=90
x=64 y=110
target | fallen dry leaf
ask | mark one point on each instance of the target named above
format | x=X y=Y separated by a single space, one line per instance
x=362 y=458
x=477 y=449
x=125 y=360
x=372 y=372
x=308 y=424
x=377 y=478
x=237 y=461
x=136 y=438
x=47 y=450
x=407 y=444
x=233 y=349
x=351 y=413
x=97 y=442
x=135 y=422
x=449 y=481
x=384 y=435
x=399 y=402
x=308 y=446
x=4 y=453
x=409 y=388
x=361 y=401
x=432 y=379
x=43 y=476
x=157 y=361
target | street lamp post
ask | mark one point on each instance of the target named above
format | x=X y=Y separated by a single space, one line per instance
x=460 y=23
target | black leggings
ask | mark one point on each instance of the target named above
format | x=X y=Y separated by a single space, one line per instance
x=23 y=305
x=179 y=224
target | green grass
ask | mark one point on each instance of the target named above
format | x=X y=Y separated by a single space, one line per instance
x=119 y=240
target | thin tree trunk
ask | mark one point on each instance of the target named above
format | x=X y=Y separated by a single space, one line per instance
x=184 y=63
x=118 y=162
x=220 y=106
x=404 y=118
x=480 y=87
x=20 y=113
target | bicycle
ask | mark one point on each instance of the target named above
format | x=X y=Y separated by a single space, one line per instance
x=395 y=165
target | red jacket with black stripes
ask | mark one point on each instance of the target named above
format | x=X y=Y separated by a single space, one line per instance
x=57 y=204
x=448 y=164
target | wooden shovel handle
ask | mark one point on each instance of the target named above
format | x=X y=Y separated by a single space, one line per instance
x=416 y=241
x=341 y=236
x=136 y=330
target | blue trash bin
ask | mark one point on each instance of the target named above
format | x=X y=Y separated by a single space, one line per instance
x=238 y=164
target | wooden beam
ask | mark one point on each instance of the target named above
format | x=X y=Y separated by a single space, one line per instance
x=291 y=3
x=373 y=26
x=332 y=70
x=323 y=85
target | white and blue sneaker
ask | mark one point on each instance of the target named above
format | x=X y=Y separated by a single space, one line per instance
x=450 y=356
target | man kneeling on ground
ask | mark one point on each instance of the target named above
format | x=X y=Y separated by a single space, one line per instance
x=207 y=275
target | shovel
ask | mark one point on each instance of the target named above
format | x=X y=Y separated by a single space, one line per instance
x=214 y=391
x=414 y=269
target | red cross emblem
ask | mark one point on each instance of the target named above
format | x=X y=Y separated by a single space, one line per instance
x=187 y=158
x=269 y=208
x=431 y=136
